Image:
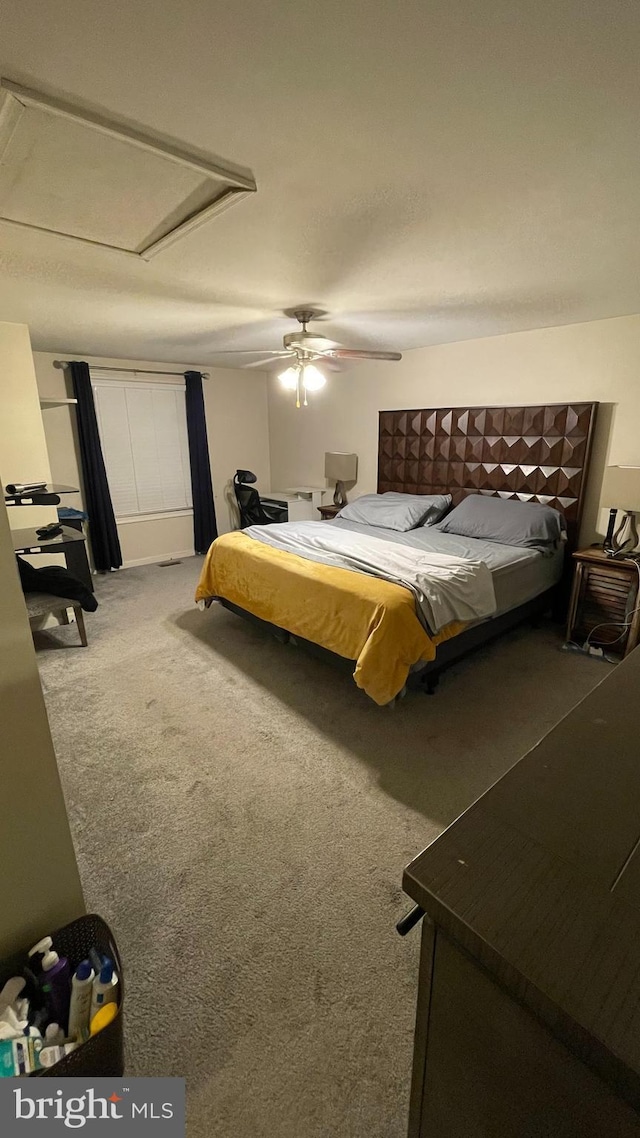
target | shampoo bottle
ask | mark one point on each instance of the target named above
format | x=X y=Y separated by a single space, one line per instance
x=105 y=988
x=80 y=1006
x=56 y=988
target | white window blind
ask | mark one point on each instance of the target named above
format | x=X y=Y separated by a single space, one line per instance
x=143 y=430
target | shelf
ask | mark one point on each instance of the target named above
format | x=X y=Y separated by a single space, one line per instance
x=48 y=496
x=27 y=540
x=56 y=402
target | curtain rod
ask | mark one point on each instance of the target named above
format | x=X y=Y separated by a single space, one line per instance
x=134 y=370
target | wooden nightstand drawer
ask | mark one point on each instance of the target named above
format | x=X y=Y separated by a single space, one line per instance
x=603 y=602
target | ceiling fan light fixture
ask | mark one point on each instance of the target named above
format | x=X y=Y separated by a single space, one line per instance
x=289 y=378
x=312 y=377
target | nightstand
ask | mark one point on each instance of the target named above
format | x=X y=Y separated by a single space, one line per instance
x=603 y=599
x=327 y=512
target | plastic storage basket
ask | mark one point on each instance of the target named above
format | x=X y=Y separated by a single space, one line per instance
x=102 y=1054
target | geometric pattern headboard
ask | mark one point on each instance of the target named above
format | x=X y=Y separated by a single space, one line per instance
x=535 y=454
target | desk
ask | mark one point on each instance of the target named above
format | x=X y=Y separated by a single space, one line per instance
x=528 y=1021
x=71 y=542
x=300 y=507
x=311 y=494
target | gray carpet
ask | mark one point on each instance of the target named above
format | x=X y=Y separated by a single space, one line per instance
x=242 y=815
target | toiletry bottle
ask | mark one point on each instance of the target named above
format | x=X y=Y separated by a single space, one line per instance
x=96 y=960
x=33 y=976
x=38 y=952
x=49 y=1056
x=56 y=987
x=54 y=1034
x=103 y=1017
x=105 y=988
x=80 y=1006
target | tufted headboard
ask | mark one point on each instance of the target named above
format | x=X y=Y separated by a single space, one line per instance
x=536 y=454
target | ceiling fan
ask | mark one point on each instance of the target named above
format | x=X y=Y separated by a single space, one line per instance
x=304 y=348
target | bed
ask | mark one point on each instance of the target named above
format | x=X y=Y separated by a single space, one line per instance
x=529 y=454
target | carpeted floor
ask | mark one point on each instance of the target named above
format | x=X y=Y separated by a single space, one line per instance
x=242 y=815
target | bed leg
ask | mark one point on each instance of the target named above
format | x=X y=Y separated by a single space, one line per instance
x=430 y=683
x=393 y=703
x=281 y=635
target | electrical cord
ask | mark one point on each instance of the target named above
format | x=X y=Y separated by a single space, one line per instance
x=623 y=624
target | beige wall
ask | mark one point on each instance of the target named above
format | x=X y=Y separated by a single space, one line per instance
x=39 y=883
x=237 y=426
x=579 y=362
x=23 y=448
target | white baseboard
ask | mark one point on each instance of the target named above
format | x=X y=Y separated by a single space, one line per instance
x=157 y=558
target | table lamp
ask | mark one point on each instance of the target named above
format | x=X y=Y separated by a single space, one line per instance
x=340 y=468
x=621 y=491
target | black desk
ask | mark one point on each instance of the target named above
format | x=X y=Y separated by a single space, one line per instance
x=71 y=542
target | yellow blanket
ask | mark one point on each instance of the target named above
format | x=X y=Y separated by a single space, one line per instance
x=362 y=618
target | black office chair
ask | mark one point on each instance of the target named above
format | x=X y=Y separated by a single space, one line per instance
x=253 y=511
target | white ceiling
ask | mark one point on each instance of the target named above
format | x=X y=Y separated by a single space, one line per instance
x=69 y=176
x=428 y=170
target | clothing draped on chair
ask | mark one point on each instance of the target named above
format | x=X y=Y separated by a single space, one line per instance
x=103 y=531
x=204 y=514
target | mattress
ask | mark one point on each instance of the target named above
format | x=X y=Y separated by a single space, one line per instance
x=518 y=574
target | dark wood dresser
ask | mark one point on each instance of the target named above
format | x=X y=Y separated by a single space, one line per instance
x=528 y=1016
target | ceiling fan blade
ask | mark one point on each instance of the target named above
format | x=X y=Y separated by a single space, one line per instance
x=265 y=359
x=351 y=354
x=330 y=364
x=251 y=352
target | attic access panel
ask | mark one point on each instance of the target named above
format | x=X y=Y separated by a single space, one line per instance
x=67 y=171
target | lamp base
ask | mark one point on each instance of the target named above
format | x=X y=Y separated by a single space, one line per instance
x=339 y=495
x=624 y=540
x=607 y=544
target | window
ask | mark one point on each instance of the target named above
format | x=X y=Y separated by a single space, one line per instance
x=143 y=430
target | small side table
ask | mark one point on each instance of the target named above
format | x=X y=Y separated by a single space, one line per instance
x=604 y=602
x=69 y=541
x=327 y=512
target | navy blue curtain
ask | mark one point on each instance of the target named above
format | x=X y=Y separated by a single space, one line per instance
x=204 y=515
x=103 y=532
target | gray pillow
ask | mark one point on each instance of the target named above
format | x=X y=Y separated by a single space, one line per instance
x=507 y=521
x=400 y=512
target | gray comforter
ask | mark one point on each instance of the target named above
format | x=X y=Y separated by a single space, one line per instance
x=445 y=588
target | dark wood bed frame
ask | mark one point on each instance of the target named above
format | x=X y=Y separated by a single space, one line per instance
x=532 y=454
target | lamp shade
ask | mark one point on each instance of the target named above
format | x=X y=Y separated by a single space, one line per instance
x=621 y=488
x=339 y=467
